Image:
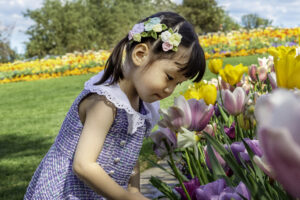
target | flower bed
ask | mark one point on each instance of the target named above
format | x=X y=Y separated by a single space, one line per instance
x=237 y=136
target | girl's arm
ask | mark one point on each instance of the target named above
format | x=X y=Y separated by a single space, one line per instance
x=134 y=182
x=99 y=118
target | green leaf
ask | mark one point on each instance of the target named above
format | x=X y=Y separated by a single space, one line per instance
x=164 y=188
x=154 y=34
x=164 y=27
x=217 y=169
x=144 y=34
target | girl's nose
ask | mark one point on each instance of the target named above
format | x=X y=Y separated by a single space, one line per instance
x=168 y=90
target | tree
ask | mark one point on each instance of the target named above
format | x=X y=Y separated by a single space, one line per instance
x=84 y=24
x=250 y=21
x=204 y=15
x=229 y=24
x=6 y=53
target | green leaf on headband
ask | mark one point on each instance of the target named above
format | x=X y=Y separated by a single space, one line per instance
x=144 y=34
x=171 y=30
x=154 y=34
x=164 y=27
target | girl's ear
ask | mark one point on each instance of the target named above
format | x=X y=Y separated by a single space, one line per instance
x=140 y=54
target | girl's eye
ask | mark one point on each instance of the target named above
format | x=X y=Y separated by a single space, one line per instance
x=169 y=77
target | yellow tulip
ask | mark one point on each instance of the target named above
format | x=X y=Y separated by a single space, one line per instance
x=233 y=75
x=215 y=65
x=287 y=67
x=207 y=92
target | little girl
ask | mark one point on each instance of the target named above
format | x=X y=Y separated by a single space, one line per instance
x=95 y=153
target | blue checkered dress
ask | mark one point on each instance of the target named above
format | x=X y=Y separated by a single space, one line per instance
x=54 y=178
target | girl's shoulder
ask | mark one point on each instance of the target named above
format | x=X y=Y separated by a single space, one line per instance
x=114 y=94
x=90 y=102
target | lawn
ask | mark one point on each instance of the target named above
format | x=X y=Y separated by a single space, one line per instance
x=31 y=115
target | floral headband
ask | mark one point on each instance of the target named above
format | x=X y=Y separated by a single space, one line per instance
x=152 y=28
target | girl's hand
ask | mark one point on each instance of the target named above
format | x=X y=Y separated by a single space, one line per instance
x=138 y=196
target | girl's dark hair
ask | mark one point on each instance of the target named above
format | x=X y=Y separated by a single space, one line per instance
x=195 y=67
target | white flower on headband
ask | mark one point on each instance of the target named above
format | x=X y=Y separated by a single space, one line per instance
x=152 y=28
x=170 y=39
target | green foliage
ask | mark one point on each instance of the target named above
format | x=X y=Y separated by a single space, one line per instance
x=80 y=25
x=6 y=53
x=229 y=24
x=204 y=15
x=251 y=21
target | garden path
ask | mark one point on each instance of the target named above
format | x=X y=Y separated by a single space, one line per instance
x=147 y=189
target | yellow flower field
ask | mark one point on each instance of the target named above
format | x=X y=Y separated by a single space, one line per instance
x=216 y=45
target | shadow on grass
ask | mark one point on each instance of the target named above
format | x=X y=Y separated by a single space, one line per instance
x=19 y=157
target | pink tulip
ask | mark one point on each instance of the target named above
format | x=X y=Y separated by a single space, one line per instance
x=176 y=116
x=234 y=102
x=261 y=72
x=272 y=79
x=201 y=114
x=219 y=158
x=278 y=117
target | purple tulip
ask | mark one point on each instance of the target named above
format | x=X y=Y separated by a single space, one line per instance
x=217 y=110
x=158 y=137
x=239 y=150
x=230 y=131
x=190 y=186
x=219 y=190
x=235 y=101
x=201 y=114
x=278 y=117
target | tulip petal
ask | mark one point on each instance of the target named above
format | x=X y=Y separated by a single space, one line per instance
x=283 y=155
x=184 y=106
x=240 y=97
x=229 y=102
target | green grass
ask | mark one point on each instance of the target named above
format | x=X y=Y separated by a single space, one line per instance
x=31 y=115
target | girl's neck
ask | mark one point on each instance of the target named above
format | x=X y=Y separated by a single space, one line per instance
x=129 y=90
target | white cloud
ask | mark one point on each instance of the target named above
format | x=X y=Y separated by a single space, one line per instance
x=283 y=13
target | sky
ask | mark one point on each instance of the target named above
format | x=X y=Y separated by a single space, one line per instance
x=283 y=13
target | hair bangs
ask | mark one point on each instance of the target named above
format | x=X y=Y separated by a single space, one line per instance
x=196 y=65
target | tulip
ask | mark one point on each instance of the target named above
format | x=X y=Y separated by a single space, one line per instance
x=202 y=90
x=261 y=72
x=278 y=116
x=215 y=65
x=235 y=101
x=287 y=66
x=187 y=139
x=158 y=138
x=201 y=114
x=190 y=186
x=219 y=190
x=210 y=129
x=239 y=150
x=219 y=158
x=176 y=116
x=272 y=79
x=230 y=131
x=233 y=75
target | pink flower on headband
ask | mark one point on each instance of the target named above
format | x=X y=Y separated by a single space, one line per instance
x=167 y=46
x=137 y=28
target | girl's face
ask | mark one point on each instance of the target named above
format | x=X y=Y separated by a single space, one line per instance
x=159 y=80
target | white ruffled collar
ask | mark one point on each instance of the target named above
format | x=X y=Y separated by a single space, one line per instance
x=114 y=94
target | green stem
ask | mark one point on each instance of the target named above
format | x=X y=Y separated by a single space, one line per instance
x=202 y=174
x=175 y=170
x=189 y=163
x=239 y=132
